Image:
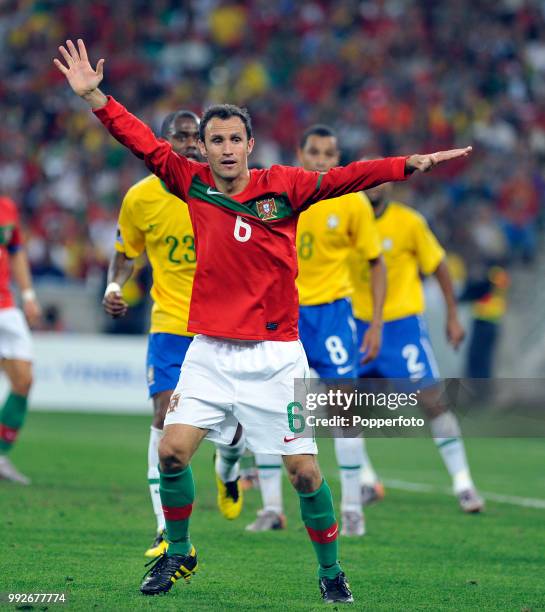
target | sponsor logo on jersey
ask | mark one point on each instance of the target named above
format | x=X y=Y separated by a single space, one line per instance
x=266 y=209
x=211 y=191
x=290 y=438
x=271 y=326
x=333 y=222
x=387 y=244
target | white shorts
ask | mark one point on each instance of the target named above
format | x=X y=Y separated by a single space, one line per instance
x=15 y=340
x=224 y=382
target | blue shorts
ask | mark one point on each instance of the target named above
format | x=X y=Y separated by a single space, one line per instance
x=406 y=351
x=329 y=336
x=166 y=353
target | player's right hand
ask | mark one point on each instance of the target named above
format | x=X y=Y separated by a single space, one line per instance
x=455 y=332
x=115 y=305
x=78 y=71
x=425 y=163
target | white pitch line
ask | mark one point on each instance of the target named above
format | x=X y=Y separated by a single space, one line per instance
x=420 y=487
x=410 y=486
x=527 y=502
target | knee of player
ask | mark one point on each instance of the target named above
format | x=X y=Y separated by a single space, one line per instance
x=172 y=455
x=306 y=478
x=22 y=384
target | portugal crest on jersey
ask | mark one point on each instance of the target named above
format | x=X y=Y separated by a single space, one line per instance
x=266 y=209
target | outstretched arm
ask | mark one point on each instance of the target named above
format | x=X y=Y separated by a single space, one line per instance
x=306 y=187
x=174 y=169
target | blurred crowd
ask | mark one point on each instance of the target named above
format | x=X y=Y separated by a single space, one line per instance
x=391 y=76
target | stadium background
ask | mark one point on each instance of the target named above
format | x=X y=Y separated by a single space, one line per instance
x=392 y=77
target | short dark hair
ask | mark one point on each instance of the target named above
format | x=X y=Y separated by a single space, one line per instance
x=169 y=120
x=226 y=111
x=318 y=129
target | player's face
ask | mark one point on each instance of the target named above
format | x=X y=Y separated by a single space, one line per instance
x=320 y=153
x=226 y=146
x=183 y=136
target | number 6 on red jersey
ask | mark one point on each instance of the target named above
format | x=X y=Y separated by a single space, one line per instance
x=246 y=228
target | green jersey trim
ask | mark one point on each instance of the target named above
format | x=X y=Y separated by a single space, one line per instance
x=273 y=207
x=319 y=181
x=6 y=233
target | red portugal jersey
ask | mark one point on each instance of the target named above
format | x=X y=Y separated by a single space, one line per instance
x=10 y=241
x=244 y=285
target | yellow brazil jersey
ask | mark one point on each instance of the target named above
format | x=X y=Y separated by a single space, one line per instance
x=154 y=220
x=326 y=234
x=409 y=248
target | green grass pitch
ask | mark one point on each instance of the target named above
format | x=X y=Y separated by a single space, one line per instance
x=83 y=525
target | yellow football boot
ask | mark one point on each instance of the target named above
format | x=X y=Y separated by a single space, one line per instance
x=230 y=498
x=158 y=547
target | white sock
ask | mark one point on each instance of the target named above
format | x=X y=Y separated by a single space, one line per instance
x=368 y=476
x=447 y=437
x=227 y=459
x=349 y=453
x=269 y=469
x=153 y=475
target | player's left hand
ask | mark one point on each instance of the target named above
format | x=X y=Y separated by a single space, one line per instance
x=424 y=163
x=33 y=312
x=372 y=341
x=455 y=332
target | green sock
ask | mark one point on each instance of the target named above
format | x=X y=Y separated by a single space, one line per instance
x=12 y=418
x=319 y=518
x=177 y=495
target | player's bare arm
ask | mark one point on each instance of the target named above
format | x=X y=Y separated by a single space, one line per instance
x=372 y=339
x=119 y=272
x=21 y=274
x=454 y=330
x=425 y=163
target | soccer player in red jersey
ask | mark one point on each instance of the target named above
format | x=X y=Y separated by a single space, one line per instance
x=15 y=341
x=244 y=308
